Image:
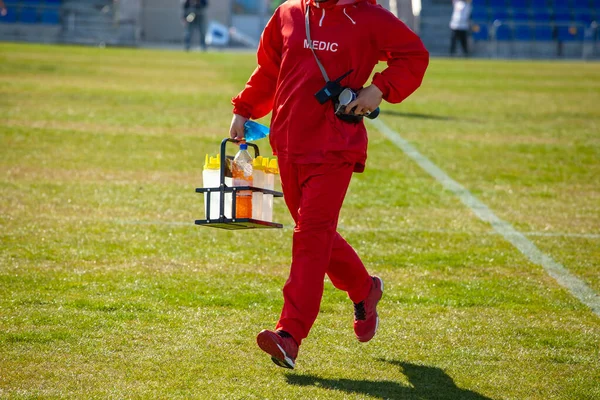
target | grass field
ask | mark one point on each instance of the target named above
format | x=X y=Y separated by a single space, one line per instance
x=108 y=290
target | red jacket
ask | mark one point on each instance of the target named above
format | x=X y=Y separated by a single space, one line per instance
x=354 y=36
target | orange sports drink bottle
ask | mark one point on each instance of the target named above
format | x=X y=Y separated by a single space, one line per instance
x=242 y=176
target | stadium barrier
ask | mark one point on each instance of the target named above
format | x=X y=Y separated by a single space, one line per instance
x=73 y=21
x=105 y=22
x=515 y=39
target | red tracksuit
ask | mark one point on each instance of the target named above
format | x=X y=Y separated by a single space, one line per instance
x=318 y=152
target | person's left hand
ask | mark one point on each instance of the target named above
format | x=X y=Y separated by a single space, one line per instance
x=236 y=130
x=367 y=100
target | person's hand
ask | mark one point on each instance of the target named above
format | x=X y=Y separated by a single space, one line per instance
x=367 y=100
x=236 y=130
x=3 y=12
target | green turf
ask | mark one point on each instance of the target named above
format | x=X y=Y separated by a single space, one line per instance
x=108 y=290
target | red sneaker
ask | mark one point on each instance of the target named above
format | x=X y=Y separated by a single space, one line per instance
x=366 y=319
x=280 y=345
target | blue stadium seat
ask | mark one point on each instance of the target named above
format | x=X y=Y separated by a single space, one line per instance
x=521 y=14
x=503 y=33
x=497 y=3
x=523 y=32
x=562 y=3
x=479 y=4
x=596 y=5
x=480 y=15
x=583 y=17
x=583 y=4
x=562 y=15
x=10 y=17
x=539 y=3
x=50 y=16
x=480 y=32
x=519 y=3
x=569 y=33
x=543 y=33
x=28 y=15
x=500 y=14
x=541 y=16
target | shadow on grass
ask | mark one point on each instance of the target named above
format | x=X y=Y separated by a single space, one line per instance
x=427 y=383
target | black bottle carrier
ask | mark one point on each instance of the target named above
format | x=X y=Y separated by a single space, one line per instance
x=233 y=223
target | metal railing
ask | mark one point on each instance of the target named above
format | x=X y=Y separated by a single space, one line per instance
x=72 y=21
x=106 y=22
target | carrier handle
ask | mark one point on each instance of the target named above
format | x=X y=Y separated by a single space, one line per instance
x=224 y=156
x=223 y=165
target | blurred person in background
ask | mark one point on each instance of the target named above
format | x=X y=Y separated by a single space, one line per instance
x=3 y=10
x=459 y=24
x=320 y=145
x=194 y=18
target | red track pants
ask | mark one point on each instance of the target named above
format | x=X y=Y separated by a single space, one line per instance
x=314 y=194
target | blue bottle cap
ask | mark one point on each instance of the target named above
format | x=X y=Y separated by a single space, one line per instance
x=244 y=146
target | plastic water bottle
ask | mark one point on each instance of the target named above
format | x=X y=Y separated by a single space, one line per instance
x=258 y=180
x=228 y=198
x=267 y=185
x=254 y=131
x=211 y=176
x=242 y=176
x=271 y=171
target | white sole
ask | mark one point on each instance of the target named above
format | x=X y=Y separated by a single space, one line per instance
x=290 y=363
x=377 y=322
x=381 y=282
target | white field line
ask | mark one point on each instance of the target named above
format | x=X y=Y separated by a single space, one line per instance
x=576 y=286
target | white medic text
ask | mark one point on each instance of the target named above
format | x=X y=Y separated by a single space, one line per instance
x=319 y=45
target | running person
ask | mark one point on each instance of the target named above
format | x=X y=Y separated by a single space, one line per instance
x=316 y=150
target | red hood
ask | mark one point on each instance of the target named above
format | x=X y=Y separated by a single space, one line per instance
x=329 y=4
